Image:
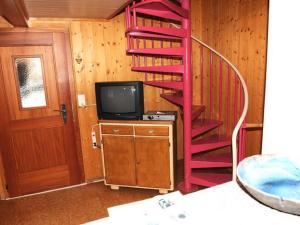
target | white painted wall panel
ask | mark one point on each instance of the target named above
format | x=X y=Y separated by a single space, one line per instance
x=282 y=100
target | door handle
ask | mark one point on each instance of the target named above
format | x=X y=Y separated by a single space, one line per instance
x=63 y=112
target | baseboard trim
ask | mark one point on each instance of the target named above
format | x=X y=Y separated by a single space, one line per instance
x=57 y=189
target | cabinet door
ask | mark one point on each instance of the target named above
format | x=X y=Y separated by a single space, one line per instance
x=119 y=160
x=152 y=162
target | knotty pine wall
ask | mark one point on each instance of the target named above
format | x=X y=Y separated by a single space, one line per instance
x=99 y=54
x=238 y=30
x=235 y=28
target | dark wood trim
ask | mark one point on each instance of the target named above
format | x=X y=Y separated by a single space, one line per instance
x=120 y=9
x=14 y=11
x=28 y=38
x=33 y=30
x=31 y=36
x=74 y=104
x=4 y=135
x=59 y=50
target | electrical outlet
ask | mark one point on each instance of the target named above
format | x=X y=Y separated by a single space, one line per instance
x=94 y=139
x=81 y=100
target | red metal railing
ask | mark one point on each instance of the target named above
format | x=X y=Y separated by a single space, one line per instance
x=229 y=101
x=221 y=88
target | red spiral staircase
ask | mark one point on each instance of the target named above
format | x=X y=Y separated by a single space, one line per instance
x=160 y=42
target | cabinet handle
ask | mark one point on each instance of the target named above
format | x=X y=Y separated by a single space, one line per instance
x=116 y=130
x=150 y=131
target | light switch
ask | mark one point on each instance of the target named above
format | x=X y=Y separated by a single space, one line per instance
x=81 y=100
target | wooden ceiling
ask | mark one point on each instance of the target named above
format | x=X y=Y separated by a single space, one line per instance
x=92 y=9
x=17 y=12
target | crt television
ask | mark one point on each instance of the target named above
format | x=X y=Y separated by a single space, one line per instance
x=120 y=100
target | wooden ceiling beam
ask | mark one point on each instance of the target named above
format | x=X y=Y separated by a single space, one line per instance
x=14 y=11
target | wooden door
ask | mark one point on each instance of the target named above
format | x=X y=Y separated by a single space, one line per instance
x=152 y=162
x=38 y=144
x=119 y=158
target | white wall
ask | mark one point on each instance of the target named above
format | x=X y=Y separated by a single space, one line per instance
x=281 y=133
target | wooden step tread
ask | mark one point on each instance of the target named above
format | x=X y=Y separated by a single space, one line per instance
x=175 y=99
x=160 y=69
x=158 y=51
x=178 y=100
x=201 y=126
x=158 y=12
x=138 y=34
x=166 y=84
x=209 y=179
x=196 y=111
x=176 y=32
x=221 y=160
x=210 y=143
x=161 y=5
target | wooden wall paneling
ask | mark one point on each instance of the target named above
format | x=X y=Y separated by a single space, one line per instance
x=74 y=104
x=83 y=48
x=99 y=54
x=238 y=30
x=101 y=46
x=256 y=80
x=86 y=116
x=112 y=53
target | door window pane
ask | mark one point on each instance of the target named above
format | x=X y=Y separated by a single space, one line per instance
x=31 y=82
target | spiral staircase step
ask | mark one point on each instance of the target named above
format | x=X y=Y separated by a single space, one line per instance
x=209 y=179
x=201 y=126
x=173 y=98
x=138 y=34
x=166 y=84
x=162 y=8
x=176 y=32
x=222 y=160
x=160 y=69
x=158 y=51
x=210 y=143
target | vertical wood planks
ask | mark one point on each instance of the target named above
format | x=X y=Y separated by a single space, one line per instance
x=99 y=55
x=238 y=30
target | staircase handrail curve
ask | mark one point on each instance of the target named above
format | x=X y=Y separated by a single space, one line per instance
x=245 y=108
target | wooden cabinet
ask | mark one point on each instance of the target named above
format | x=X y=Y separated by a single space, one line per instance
x=138 y=154
x=119 y=160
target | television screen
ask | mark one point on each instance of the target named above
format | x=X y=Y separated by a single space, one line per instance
x=118 y=99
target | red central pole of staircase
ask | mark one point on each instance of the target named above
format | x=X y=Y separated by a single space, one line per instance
x=187 y=97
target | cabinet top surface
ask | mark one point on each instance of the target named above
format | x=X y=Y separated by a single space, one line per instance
x=137 y=121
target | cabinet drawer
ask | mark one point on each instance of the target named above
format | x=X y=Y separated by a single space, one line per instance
x=152 y=131
x=117 y=129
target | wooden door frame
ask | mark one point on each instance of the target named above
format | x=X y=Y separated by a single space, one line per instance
x=10 y=37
